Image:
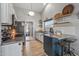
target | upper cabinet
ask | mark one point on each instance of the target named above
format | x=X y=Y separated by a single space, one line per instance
x=6 y=13
x=0 y=11
x=0 y=28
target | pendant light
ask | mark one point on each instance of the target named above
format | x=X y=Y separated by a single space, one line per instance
x=31 y=13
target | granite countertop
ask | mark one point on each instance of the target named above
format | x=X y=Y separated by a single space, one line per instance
x=63 y=36
x=10 y=41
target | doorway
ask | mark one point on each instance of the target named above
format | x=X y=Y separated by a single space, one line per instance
x=29 y=29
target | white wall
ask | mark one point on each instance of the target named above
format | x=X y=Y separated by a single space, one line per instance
x=22 y=16
x=52 y=9
x=0 y=30
x=0 y=24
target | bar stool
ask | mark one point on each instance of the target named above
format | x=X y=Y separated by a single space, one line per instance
x=68 y=42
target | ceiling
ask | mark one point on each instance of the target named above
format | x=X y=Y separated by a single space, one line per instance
x=37 y=7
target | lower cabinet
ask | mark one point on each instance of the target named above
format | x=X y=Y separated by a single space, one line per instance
x=48 y=46
x=39 y=36
x=0 y=51
x=12 y=49
x=51 y=46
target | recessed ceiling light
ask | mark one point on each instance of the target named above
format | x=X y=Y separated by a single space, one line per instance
x=31 y=13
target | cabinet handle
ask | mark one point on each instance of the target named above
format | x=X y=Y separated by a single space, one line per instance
x=19 y=43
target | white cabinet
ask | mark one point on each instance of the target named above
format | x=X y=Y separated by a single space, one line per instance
x=12 y=49
x=6 y=13
x=0 y=24
x=0 y=11
x=39 y=36
x=0 y=51
x=0 y=29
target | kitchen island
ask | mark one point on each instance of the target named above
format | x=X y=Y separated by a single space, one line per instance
x=52 y=43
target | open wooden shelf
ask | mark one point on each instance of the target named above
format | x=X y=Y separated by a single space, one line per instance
x=57 y=17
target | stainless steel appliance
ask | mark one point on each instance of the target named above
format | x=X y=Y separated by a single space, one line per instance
x=5 y=34
x=28 y=28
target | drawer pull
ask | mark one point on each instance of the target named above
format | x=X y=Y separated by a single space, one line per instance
x=19 y=43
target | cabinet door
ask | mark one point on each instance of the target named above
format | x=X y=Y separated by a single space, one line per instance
x=0 y=29
x=12 y=49
x=48 y=45
x=10 y=12
x=0 y=11
x=6 y=13
x=16 y=49
x=37 y=36
x=0 y=51
x=0 y=24
x=57 y=48
x=41 y=37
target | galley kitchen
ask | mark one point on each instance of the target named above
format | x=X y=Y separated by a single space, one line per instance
x=39 y=29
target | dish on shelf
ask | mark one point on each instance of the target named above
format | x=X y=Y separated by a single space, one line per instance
x=68 y=9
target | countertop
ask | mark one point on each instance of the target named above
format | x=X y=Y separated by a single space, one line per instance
x=63 y=36
x=10 y=41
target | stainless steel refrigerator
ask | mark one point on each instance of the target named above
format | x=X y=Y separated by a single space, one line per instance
x=28 y=30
